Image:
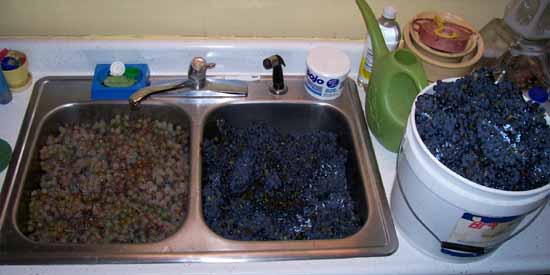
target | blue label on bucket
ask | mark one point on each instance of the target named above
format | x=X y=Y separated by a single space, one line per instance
x=487 y=220
x=479 y=232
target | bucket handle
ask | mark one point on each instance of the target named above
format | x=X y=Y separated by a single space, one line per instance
x=519 y=230
x=467 y=248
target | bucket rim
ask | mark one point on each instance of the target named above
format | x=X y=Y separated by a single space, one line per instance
x=454 y=174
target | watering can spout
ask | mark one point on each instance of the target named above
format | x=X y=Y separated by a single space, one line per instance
x=396 y=79
x=378 y=44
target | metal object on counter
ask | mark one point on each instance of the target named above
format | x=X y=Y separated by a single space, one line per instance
x=57 y=100
x=500 y=76
x=196 y=85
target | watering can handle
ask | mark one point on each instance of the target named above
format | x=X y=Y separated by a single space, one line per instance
x=408 y=63
x=522 y=226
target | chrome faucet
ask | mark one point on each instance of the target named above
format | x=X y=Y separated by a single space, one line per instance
x=196 y=85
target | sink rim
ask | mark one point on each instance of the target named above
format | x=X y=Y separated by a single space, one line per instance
x=347 y=105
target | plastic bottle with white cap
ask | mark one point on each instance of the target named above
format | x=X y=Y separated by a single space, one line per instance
x=392 y=35
x=327 y=68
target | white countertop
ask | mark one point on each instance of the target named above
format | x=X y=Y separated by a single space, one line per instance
x=528 y=253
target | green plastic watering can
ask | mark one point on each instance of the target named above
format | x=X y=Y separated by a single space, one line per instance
x=397 y=77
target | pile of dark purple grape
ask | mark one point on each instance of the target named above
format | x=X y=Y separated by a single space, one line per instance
x=486 y=132
x=261 y=184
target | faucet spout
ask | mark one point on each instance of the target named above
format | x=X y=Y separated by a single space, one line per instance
x=141 y=94
x=196 y=85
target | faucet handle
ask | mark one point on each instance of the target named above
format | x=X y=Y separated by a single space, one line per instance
x=197 y=71
x=199 y=65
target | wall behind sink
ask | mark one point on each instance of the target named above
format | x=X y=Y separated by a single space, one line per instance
x=216 y=18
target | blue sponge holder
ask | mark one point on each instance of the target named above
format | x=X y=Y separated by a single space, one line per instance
x=102 y=92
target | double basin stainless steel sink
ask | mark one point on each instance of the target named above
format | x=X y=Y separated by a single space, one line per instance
x=59 y=100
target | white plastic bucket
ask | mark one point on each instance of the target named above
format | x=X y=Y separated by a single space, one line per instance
x=448 y=216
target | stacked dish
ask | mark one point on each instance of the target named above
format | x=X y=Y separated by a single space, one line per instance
x=447 y=44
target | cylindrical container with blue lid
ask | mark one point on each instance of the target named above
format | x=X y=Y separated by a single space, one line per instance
x=15 y=66
x=5 y=92
x=327 y=68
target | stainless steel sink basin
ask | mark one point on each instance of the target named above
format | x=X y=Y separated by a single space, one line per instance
x=84 y=113
x=59 y=100
x=297 y=118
